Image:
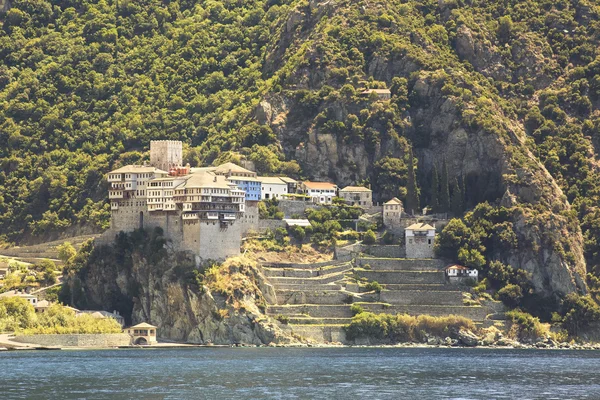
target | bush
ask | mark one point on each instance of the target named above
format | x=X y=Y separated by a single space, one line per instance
x=369 y=237
x=356 y=309
x=284 y=319
x=403 y=327
x=525 y=327
x=388 y=237
x=374 y=286
x=579 y=312
x=510 y=295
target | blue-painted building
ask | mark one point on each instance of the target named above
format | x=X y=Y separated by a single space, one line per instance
x=250 y=185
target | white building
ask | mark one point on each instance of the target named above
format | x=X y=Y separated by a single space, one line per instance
x=382 y=94
x=142 y=334
x=392 y=213
x=130 y=184
x=15 y=293
x=272 y=187
x=458 y=273
x=319 y=192
x=420 y=239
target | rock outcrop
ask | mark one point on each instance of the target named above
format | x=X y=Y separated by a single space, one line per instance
x=186 y=306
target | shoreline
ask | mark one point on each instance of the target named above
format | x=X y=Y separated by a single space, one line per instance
x=169 y=345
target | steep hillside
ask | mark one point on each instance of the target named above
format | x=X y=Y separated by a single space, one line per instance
x=502 y=95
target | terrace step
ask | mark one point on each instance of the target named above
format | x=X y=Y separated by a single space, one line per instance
x=328 y=278
x=415 y=286
x=421 y=297
x=400 y=264
x=305 y=273
x=476 y=313
x=306 y=286
x=319 y=321
x=312 y=297
x=404 y=277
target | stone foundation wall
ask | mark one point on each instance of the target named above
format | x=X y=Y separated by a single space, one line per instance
x=83 y=340
x=386 y=251
x=291 y=207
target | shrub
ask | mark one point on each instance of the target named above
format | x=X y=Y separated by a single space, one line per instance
x=388 y=237
x=356 y=309
x=510 y=295
x=579 y=312
x=284 y=319
x=369 y=237
x=404 y=327
x=525 y=327
x=373 y=286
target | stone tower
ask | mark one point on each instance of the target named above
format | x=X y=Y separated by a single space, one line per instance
x=166 y=154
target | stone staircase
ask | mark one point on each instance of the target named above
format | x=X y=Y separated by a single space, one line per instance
x=315 y=302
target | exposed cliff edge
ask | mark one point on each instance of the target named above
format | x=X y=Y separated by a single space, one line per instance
x=145 y=282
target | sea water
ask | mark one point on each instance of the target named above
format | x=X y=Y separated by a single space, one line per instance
x=301 y=373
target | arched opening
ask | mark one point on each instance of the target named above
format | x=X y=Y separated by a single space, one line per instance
x=141 y=341
x=141 y=220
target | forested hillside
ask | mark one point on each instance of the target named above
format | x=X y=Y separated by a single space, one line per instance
x=499 y=98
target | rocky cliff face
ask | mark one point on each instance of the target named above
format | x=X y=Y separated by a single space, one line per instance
x=165 y=291
x=447 y=116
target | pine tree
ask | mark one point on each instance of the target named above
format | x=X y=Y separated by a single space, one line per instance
x=412 y=196
x=434 y=203
x=444 y=189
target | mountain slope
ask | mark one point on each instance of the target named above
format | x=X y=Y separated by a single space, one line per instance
x=505 y=95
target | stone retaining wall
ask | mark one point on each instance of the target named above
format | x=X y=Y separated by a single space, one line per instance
x=291 y=207
x=403 y=277
x=386 y=251
x=321 y=334
x=421 y=297
x=402 y=264
x=312 y=297
x=81 y=340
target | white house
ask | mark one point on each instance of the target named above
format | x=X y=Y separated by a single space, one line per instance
x=392 y=213
x=457 y=273
x=15 y=293
x=419 y=238
x=272 y=187
x=319 y=192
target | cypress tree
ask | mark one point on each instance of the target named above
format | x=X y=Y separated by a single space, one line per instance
x=444 y=189
x=412 y=196
x=457 y=196
x=434 y=203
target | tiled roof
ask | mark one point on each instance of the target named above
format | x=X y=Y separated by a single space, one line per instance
x=420 y=227
x=142 y=325
x=395 y=200
x=230 y=167
x=137 y=169
x=355 y=189
x=271 y=180
x=319 y=185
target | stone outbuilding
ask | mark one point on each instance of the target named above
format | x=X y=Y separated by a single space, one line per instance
x=420 y=239
x=382 y=94
x=357 y=196
x=142 y=334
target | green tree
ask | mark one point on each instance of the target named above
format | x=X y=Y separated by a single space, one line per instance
x=457 y=202
x=444 y=189
x=66 y=252
x=369 y=237
x=412 y=195
x=434 y=203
